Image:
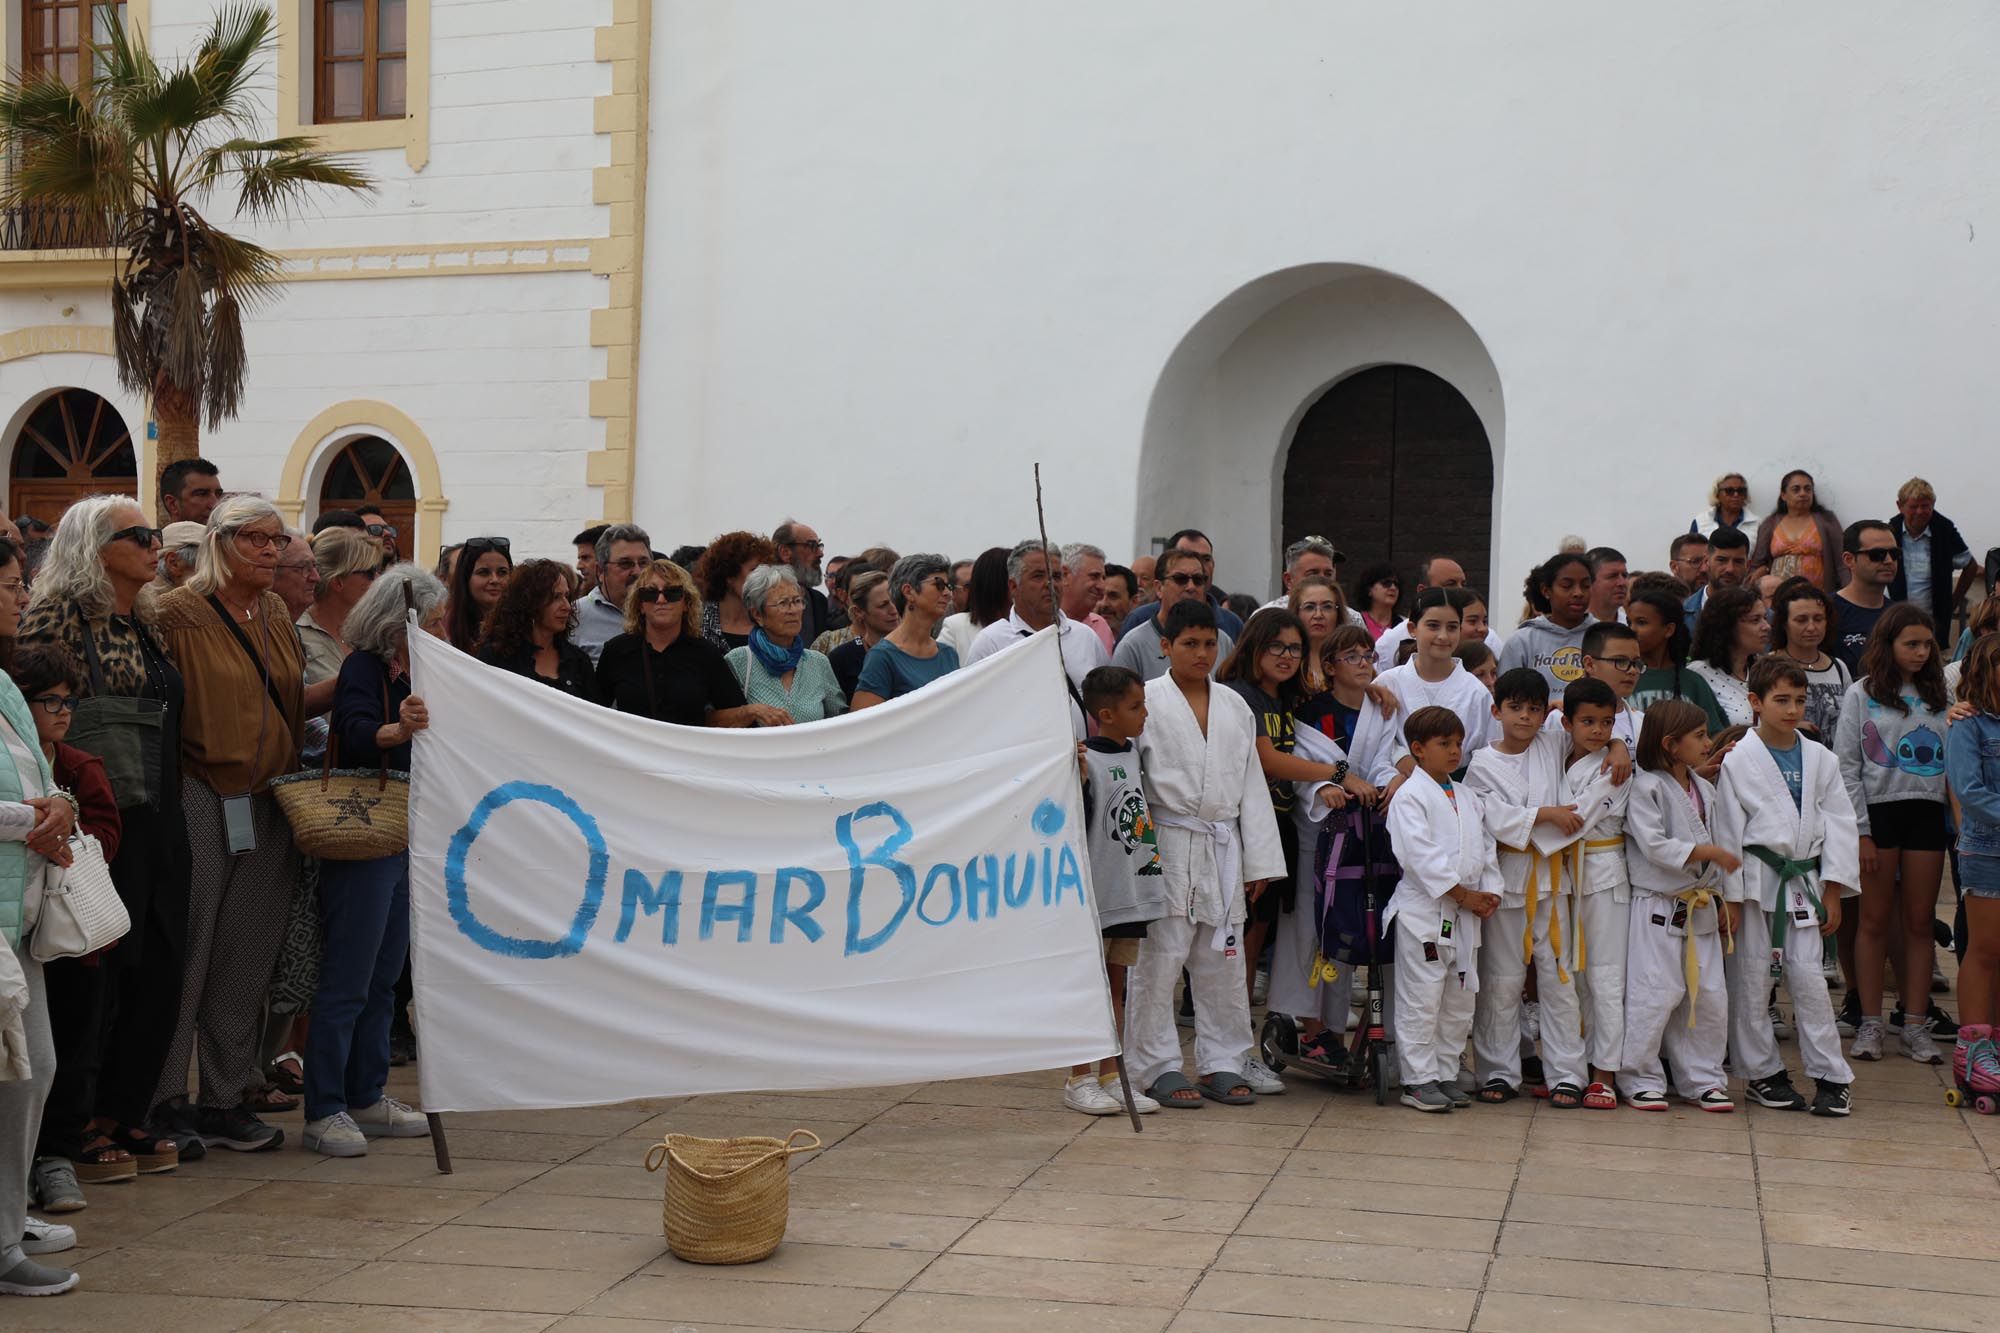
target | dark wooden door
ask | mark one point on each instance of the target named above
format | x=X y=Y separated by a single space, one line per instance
x=1392 y=464
x=74 y=444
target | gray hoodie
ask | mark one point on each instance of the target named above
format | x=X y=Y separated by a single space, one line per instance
x=1550 y=649
x=1887 y=754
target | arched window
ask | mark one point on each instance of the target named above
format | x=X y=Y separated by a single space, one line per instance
x=368 y=470
x=74 y=444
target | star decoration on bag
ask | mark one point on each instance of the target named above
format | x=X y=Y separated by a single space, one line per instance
x=355 y=806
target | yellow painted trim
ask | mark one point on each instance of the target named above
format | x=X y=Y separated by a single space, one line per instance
x=29 y=269
x=54 y=268
x=620 y=116
x=412 y=133
x=361 y=413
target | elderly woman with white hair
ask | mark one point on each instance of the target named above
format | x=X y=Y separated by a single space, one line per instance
x=776 y=668
x=364 y=906
x=233 y=640
x=93 y=598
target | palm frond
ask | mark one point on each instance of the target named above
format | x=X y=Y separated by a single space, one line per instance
x=226 y=61
x=228 y=361
x=273 y=185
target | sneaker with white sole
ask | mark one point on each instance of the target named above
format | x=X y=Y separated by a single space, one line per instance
x=29 y=1278
x=1716 y=1101
x=1084 y=1093
x=1647 y=1101
x=52 y=1184
x=1848 y=1018
x=336 y=1135
x=47 y=1237
x=1832 y=1099
x=1429 y=1097
x=1867 y=1040
x=1918 y=1045
x=391 y=1119
x=1780 y=1029
x=1141 y=1103
x=1262 y=1080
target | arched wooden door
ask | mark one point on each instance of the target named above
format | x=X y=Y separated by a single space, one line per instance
x=1393 y=464
x=369 y=470
x=72 y=445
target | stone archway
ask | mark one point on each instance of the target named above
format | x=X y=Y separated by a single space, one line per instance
x=1232 y=397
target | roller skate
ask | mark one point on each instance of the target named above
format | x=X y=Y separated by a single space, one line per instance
x=1975 y=1070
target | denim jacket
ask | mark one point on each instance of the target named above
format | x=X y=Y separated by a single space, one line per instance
x=1972 y=759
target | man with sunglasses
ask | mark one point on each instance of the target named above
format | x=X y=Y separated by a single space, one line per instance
x=799 y=546
x=1182 y=578
x=623 y=549
x=377 y=525
x=1198 y=545
x=1873 y=557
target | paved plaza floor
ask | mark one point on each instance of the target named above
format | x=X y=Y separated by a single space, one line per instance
x=984 y=1205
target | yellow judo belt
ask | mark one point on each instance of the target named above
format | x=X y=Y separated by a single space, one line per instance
x=1697 y=898
x=1537 y=865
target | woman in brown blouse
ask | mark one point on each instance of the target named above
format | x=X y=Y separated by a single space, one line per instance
x=92 y=597
x=231 y=637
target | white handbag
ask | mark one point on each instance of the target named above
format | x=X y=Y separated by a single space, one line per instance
x=81 y=910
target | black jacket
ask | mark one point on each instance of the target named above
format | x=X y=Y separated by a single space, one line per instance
x=1946 y=543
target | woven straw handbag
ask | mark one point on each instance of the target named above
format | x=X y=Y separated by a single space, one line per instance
x=347 y=814
x=727 y=1199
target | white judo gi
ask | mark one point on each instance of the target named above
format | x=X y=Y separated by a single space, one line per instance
x=1212 y=814
x=1533 y=865
x=1675 y=925
x=1440 y=842
x=1754 y=808
x=1297 y=942
x=1602 y=907
x=1461 y=692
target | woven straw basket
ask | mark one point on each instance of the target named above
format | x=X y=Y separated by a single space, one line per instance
x=346 y=814
x=727 y=1199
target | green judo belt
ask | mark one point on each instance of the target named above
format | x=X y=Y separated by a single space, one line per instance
x=1787 y=870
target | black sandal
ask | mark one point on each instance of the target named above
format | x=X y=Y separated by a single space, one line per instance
x=1497 y=1092
x=154 y=1154
x=1566 y=1097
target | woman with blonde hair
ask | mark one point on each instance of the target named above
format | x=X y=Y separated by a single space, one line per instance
x=233 y=640
x=348 y=560
x=661 y=667
x=1728 y=507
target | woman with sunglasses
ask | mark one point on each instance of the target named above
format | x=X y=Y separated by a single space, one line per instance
x=1728 y=507
x=233 y=640
x=775 y=667
x=661 y=667
x=910 y=656
x=348 y=560
x=1802 y=540
x=528 y=630
x=93 y=598
x=478 y=577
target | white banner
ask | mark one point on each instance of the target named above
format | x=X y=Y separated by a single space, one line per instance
x=605 y=907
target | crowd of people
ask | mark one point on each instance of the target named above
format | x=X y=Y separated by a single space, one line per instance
x=1574 y=812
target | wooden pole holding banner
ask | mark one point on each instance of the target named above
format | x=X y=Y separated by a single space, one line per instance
x=439 y=1147
x=1048 y=562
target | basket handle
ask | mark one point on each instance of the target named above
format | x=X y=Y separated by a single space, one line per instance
x=807 y=1147
x=656 y=1156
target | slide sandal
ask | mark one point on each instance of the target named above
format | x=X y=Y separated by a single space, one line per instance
x=1239 y=1094
x=1566 y=1097
x=1166 y=1087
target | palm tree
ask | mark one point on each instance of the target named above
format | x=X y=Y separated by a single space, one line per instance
x=144 y=148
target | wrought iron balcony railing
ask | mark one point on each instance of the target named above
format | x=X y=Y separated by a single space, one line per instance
x=52 y=227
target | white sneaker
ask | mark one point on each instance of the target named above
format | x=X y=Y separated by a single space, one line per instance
x=1261 y=1079
x=391 y=1119
x=29 y=1278
x=1260 y=988
x=1919 y=1046
x=1867 y=1040
x=47 y=1237
x=1084 y=1093
x=1141 y=1103
x=336 y=1135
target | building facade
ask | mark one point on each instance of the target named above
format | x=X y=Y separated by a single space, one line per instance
x=1461 y=277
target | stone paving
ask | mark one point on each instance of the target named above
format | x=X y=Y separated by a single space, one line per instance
x=984 y=1205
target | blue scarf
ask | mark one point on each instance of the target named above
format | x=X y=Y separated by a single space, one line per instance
x=777 y=660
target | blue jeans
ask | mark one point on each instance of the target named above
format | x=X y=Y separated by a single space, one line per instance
x=364 y=912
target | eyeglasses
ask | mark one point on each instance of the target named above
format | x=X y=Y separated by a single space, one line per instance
x=1732 y=490
x=814 y=545
x=628 y=564
x=1353 y=659
x=14 y=586
x=55 y=705
x=368 y=574
x=260 y=541
x=647 y=596
x=1631 y=666
x=938 y=584
x=138 y=536
x=1317 y=608
x=1185 y=580
x=477 y=545
x=1880 y=554
x=379 y=530
x=1284 y=650
x=785 y=604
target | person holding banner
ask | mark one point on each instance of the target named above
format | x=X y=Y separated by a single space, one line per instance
x=365 y=905
x=1218 y=842
x=661 y=667
x=1034 y=583
x=776 y=668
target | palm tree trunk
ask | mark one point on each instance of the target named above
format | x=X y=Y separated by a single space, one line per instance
x=179 y=420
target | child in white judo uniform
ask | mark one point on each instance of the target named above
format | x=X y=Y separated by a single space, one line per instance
x=1676 y=991
x=1520 y=779
x=1450 y=883
x=1435 y=677
x=1603 y=892
x=1218 y=841
x=1781 y=800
